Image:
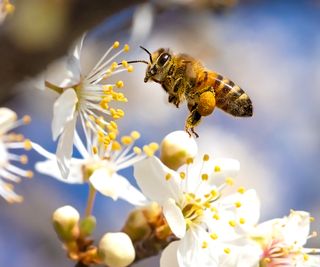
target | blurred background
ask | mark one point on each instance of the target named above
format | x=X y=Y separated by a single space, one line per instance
x=271 y=48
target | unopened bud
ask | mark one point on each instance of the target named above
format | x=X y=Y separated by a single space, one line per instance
x=116 y=250
x=65 y=220
x=176 y=148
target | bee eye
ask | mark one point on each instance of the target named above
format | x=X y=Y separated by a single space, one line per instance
x=163 y=59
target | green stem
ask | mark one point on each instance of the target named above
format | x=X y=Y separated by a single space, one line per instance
x=53 y=87
x=90 y=201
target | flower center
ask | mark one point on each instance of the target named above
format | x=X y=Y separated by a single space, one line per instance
x=192 y=211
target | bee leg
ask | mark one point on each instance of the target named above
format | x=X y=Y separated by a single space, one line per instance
x=192 y=121
x=175 y=100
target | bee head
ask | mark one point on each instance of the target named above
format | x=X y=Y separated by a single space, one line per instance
x=159 y=64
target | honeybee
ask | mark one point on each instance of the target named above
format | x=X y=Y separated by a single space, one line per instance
x=185 y=78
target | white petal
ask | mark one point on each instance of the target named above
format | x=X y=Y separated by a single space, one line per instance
x=105 y=182
x=63 y=111
x=129 y=193
x=151 y=178
x=50 y=168
x=174 y=217
x=169 y=255
x=221 y=168
x=64 y=149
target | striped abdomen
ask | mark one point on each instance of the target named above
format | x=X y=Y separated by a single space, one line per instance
x=230 y=97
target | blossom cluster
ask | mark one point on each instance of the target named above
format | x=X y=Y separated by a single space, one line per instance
x=185 y=205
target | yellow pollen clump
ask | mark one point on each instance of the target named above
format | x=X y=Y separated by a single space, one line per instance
x=148 y=151
x=204 y=177
x=126 y=140
x=23 y=159
x=182 y=175
x=154 y=146
x=94 y=150
x=214 y=236
x=124 y=63
x=135 y=135
x=217 y=168
x=232 y=223
x=116 y=44
x=137 y=150
x=241 y=190
x=130 y=68
x=242 y=220
x=29 y=174
x=116 y=146
x=126 y=48
x=27 y=144
x=189 y=161
x=229 y=181
x=26 y=119
x=227 y=250
x=204 y=244
x=238 y=204
x=206 y=157
x=120 y=84
x=216 y=216
x=168 y=176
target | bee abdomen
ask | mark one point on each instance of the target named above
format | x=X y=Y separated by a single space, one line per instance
x=231 y=98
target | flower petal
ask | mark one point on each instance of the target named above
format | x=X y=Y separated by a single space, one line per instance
x=151 y=178
x=129 y=193
x=169 y=255
x=174 y=217
x=65 y=146
x=103 y=180
x=50 y=168
x=63 y=111
x=222 y=168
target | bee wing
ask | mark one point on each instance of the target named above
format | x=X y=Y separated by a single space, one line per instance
x=231 y=98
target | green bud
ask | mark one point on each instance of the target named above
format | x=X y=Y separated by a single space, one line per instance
x=87 y=226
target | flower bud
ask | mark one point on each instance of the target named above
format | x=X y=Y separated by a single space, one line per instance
x=116 y=250
x=65 y=220
x=176 y=148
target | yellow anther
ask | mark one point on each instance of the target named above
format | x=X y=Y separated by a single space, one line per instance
x=130 y=68
x=216 y=216
x=116 y=44
x=168 y=176
x=114 y=125
x=241 y=190
x=204 y=177
x=125 y=63
x=229 y=181
x=120 y=112
x=148 y=151
x=206 y=157
x=154 y=146
x=119 y=84
x=137 y=150
x=126 y=140
x=115 y=146
x=204 y=244
x=305 y=257
x=267 y=260
x=126 y=48
x=214 y=236
x=91 y=117
x=26 y=119
x=312 y=219
x=29 y=174
x=27 y=144
x=227 y=250
x=238 y=204
x=217 y=168
x=107 y=89
x=114 y=65
x=242 y=220
x=23 y=159
x=94 y=150
x=135 y=135
x=214 y=193
x=213 y=209
x=232 y=223
x=112 y=135
x=189 y=161
x=182 y=175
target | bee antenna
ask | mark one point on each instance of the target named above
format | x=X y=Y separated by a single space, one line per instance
x=147 y=53
x=137 y=61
